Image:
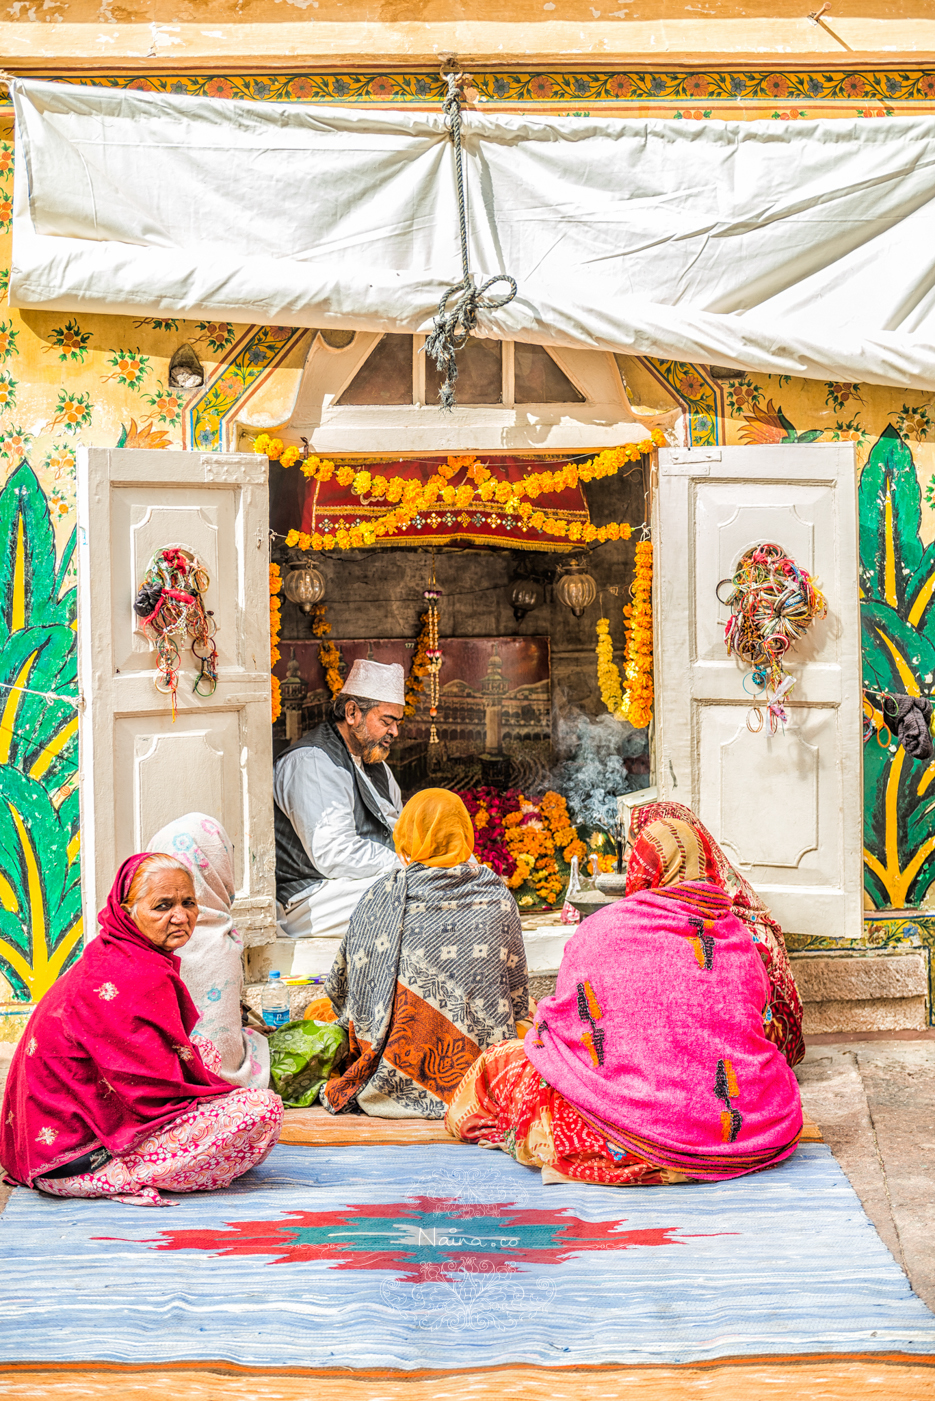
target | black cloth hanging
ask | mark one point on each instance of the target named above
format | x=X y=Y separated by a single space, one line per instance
x=908 y=717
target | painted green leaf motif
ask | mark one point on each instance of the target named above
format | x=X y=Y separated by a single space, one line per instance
x=40 y=888
x=895 y=655
x=920 y=594
x=890 y=513
x=27 y=553
x=39 y=874
x=39 y=736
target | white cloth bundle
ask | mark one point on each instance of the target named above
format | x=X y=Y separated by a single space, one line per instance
x=803 y=248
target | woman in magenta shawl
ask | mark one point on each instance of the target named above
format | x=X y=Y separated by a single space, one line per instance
x=653 y=1062
x=108 y=1095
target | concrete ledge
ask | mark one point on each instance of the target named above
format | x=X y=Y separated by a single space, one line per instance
x=871 y=1014
x=860 y=978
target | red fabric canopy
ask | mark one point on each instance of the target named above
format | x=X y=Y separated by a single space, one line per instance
x=328 y=507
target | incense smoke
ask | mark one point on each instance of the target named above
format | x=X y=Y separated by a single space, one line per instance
x=594 y=770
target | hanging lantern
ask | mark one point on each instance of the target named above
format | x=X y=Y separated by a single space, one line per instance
x=525 y=595
x=575 y=587
x=304 y=586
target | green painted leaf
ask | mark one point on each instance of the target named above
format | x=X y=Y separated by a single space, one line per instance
x=26 y=536
x=34 y=861
x=884 y=632
x=890 y=550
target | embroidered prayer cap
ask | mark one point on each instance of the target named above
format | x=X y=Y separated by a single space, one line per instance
x=377 y=682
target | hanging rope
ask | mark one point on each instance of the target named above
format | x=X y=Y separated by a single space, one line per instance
x=452 y=328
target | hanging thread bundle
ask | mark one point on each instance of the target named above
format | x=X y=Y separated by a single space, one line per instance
x=773 y=603
x=170 y=606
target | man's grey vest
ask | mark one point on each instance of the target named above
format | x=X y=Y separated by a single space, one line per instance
x=294 y=869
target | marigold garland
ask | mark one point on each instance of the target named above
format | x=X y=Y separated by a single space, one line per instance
x=410 y=498
x=273 y=449
x=418 y=667
x=608 y=673
x=275 y=627
x=638 y=664
x=329 y=657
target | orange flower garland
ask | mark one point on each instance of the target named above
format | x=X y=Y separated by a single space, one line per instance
x=418 y=667
x=275 y=627
x=409 y=498
x=329 y=657
x=638 y=666
x=608 y=673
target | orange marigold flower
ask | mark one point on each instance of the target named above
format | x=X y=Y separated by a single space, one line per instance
x=345 y=476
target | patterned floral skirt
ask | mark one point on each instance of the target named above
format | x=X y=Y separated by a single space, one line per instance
x=208 y=1147
x=503 y=1102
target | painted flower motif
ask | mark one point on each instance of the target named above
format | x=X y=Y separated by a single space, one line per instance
x=107 y=992
x=303 y=89
x=854 y=85
x=744 y=396
x=218 y=334
x=31 y=1045
x=6 y=210
x=213 y=994
x=382 y=87
x=46 y=1135
x=777 y=85
x=73 y=411
x=691 y=386
x=70 y=341
x=219 y=87
x=6 y=158
x=7 y=391
x=7 y=340
x=926 y=85
x=696 y=85
x=542 y=87
x=166 y=404
x=129 y=367
x=14 y=444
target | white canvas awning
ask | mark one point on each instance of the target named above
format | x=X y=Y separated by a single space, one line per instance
x=803 y=248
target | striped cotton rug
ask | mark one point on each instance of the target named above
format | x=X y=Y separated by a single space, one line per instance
x=432 y=1271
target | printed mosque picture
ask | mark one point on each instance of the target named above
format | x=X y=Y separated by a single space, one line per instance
x=494 y=703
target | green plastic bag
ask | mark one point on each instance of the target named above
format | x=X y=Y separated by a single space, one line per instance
x=302 y=1056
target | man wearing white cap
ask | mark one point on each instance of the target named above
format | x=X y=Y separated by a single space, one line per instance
x=337 y=803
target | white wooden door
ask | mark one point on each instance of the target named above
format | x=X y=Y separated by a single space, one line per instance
x=787 y=808
x=139 y=769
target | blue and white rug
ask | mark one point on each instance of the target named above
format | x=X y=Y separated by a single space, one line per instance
x=437 y=1257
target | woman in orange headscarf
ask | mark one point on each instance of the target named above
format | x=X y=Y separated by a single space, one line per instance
x=431 y=971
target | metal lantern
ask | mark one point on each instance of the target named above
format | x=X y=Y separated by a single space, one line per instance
x=525 y=595
x=304 y=586
x=575 y=587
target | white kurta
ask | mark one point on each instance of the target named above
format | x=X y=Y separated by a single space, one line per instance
x=318 y=798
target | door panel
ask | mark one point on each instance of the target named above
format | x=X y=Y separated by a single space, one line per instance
x=139 y=768
x=787 y=807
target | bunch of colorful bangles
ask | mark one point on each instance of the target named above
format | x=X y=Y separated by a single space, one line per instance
x=170 y=606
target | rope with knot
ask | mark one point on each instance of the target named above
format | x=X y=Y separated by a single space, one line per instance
x=453 y=327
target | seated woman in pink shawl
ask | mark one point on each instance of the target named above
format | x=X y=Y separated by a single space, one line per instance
x=107 y=1095
x=653 y=1062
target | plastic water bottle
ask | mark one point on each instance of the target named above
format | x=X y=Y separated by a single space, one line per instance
x=275 y=1002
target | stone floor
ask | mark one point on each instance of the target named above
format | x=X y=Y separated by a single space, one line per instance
x=874 y=1100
